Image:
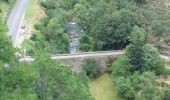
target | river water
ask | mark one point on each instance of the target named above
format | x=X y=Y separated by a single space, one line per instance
x=73 y=30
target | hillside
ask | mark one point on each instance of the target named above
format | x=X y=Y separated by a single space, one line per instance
x=155 y=17
x=5 y=7
x=136 y=28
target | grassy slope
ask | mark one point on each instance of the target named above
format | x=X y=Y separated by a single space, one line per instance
x=6 y=8
x=167 y=66
x=4 y=11
x=102 y=88
x=34 y=13
x=157 y=10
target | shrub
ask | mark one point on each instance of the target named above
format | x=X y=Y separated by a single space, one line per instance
x=83 y=77
x=109 y=63
x=124 y=87
x=166 y=72
x=158 y=28
x=85 y=43
x=147 y=87
x=140 y=1
x=153 y=60
x=135 y=51
x=55 y=81
x=91 y=68
x=121 y=67
x=143 y=57
x=167 y=94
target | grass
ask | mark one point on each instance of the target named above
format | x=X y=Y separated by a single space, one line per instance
x=102 y=88
x=167 y=65
x=33 y=14
x=167 y=68
x=166 y=77
x=4 y=11
x=6 y=8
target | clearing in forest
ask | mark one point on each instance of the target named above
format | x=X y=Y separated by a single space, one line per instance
x=102 y=88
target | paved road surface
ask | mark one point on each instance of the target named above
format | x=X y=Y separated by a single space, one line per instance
x=15 y=18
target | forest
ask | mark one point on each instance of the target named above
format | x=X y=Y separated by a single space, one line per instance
x=134 y=26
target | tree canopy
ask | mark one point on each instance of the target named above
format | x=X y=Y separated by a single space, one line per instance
x=134 y=72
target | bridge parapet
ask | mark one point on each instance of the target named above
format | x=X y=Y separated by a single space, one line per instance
x=76 y=61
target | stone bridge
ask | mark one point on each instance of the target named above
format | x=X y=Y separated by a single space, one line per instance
x=76 y=61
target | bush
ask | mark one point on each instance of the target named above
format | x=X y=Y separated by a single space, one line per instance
x=153 y=60
x=83 y=77
x=16 y=81
x=85 y=43
x=143 y=57
x=166 y=72
x=158 y=28
x=57 y=82
x=121 y=67
x=109 y=63
x=91 y=68
x=167 y=94
x=140 y=1
x=124 y=87
x=147 y=88
x=138 y=87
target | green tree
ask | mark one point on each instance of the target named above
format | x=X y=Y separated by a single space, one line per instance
x=124 y=87
x=136 y=51
x=53 y=31
x=91 y=68
x=129 y=71
x=147 y=88
x=142 y=56
x=158 y=28
x=153 y=60
x=85 y=43
x=109 y=26
x=16 y=82
x=56 y=81
x=36 y=43
x=121 y=67
x=167 y=94
x=6 y=49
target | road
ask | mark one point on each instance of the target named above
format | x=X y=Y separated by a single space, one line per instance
x=15 y=19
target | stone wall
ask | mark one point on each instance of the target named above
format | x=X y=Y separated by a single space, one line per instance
x=76 y=64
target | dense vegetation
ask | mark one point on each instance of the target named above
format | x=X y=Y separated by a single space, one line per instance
x=91 y=68
x=6 y=50
x=134 y=73
x=52 y=35
x=44 y=79
x=108 y=25
x=105 y=25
